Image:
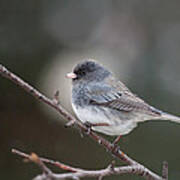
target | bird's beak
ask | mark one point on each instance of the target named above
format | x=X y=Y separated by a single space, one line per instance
x=71 y=75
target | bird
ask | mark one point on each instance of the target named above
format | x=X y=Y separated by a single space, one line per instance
x=106 y=104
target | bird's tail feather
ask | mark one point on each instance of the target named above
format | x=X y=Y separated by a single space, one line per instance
x=167 y=116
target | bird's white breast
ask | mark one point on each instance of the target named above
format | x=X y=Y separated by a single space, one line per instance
x=96 y=115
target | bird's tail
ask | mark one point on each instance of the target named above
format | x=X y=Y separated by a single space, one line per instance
x=167 y=116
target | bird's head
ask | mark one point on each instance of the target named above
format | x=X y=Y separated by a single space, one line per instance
x=88 y=71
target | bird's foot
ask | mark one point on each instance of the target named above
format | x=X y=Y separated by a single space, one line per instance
x=115 y=146
x=89 y=127
x=117 y=140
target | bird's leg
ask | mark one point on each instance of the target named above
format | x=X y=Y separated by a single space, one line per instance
x=90 y=125
x=98 y=124
x=115 y=143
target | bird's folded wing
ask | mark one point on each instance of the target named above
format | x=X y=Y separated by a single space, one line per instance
x=122 y=100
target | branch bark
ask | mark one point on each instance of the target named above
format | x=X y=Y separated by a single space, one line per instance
x=77 y=173
x=133 y=168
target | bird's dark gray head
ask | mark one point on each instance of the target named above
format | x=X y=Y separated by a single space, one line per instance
x=89 y=71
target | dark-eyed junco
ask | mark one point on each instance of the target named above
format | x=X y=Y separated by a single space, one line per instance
x=107 y=104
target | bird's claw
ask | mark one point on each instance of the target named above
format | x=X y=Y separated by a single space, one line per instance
x=115 y=148
x=88 y=127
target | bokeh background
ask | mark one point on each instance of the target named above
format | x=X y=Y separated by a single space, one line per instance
x=42 y=40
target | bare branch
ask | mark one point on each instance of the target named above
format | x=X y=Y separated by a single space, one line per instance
x=77 y=173
x=70 y=123
x=165 y=170
x=134 y=167
x=48 y=161
x=56 y=97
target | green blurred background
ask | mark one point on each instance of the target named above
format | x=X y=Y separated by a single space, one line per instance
x=42 y=40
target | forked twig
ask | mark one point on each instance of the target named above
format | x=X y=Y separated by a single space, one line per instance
x=76 y=173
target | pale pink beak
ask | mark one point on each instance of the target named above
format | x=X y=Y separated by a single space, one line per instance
x=71 y=75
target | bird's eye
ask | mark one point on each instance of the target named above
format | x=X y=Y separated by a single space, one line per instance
x=83 y=73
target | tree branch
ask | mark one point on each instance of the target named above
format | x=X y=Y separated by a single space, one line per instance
x=77 y=173
x=54 y=103
x=165 y=170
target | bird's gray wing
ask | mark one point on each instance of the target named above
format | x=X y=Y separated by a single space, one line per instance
x=118 y=99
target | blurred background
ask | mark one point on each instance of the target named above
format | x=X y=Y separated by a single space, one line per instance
x=42 y=40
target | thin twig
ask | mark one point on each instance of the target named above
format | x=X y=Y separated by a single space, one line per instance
x=56 y=98
x=165 y=170
x=115 y=151
x=48 y=161
x=77 y=172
